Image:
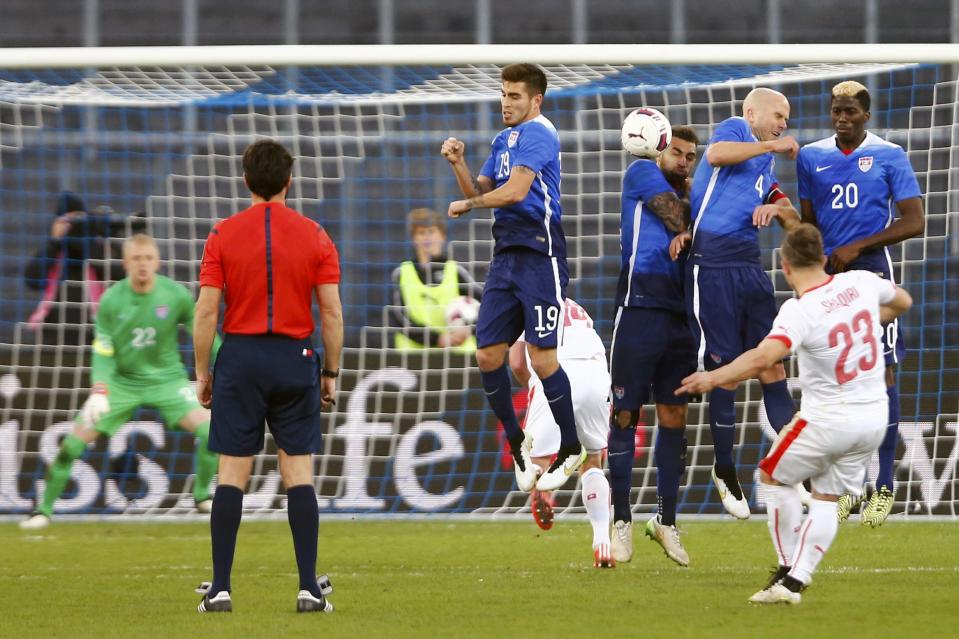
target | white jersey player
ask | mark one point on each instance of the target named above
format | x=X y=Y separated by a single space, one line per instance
x=834 y=325
x=583 y=356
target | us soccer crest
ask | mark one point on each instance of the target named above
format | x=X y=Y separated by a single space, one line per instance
x=511 y=141
x=865 y=163
x=162 y=311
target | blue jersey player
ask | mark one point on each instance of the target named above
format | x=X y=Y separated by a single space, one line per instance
x=729 y=297
x=526 y=284
x=848 y=183
x=652 y=347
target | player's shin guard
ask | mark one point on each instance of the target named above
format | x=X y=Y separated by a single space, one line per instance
x=815 y=537
x=670 y=457
x=58 y=473
x=784 y=512
x=779 y=404
x=204 y=464
x=722 y=425
x=622 y=447
x=560 y=399
x=887 y=450
x=498 y=388
x=596 y=499
x=304 y=517
x=224 y=525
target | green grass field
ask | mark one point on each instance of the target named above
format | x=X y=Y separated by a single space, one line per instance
x=471 y=579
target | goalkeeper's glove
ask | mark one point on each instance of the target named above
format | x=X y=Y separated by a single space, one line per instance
x=96 y=406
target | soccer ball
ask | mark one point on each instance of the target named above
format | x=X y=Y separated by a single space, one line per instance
x=646 y=133
x=462 y=311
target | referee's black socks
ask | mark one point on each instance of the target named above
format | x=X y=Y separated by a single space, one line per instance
x=304 y=517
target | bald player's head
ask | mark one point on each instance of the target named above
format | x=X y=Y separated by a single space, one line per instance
x=767 y=113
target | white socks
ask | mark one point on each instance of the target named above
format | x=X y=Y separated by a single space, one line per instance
x=596 y=499
x=815 y=537
x=784 y=512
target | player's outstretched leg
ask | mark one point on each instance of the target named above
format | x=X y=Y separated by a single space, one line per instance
x=498 y=389
x=58 y=474
x=670 y=458
x=204 y=468
x=722 y=425
x=622 y=446
x=882 y=500
x=783 y=512
x=595 y=491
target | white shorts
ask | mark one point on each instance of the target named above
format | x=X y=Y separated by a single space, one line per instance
x=833 y=456
x=589 y=381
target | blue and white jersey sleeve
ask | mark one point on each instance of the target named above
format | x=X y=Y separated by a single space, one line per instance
x=900 y=176
x=535 y=147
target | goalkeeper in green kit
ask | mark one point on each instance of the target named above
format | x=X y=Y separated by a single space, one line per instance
x=136 y=362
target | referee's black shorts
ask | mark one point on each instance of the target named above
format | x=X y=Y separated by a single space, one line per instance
x=265 y=378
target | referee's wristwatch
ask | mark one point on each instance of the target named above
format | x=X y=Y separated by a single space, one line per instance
x=325 y=372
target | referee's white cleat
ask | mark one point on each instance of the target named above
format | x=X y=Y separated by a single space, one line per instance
x=36 y=521
x=523 y=464
x=566 y=463
x=221 y=602
x=306 y=602
x=731 y=495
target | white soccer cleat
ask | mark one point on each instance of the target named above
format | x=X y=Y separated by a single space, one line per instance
x=561 y=470
x=622 y=541
x=776 y=593
x=205 y=506
x=525 y=476
x=668 y=538
x=738 y=507
x=36 y=521
x=602 y=557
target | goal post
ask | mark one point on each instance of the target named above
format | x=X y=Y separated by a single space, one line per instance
x=156 y=135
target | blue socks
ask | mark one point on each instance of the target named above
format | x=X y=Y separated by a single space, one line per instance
x=499 y=391
x=304 y=517
x=779 y=404
x=622 y=447
x=670 y=457
x=887 y=450
x=560 y=398
x=224 y=524
x=722 y=425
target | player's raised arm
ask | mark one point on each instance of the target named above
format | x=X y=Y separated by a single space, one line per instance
x=514 y=191
x=453 y=150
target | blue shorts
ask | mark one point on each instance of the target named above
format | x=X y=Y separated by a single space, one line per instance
x=524 y=291
x=731 y=310
x=265 y=378
x=652 y=349
x=879 y=262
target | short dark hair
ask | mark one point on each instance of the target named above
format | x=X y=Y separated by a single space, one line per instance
x=266 y=167
x=802 y=246
x=686 y=133
x=530 y=74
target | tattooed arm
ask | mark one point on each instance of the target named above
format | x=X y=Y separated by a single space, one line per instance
x=673 y=211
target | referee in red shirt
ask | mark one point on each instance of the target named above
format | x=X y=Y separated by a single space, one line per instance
x=266 y=263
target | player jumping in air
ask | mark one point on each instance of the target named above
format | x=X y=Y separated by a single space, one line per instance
x=583 y=357
x=136 y=362
x=526 y=284
x=729 y=298
x=847 y=185
x=652 y=347
x=834 y=324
